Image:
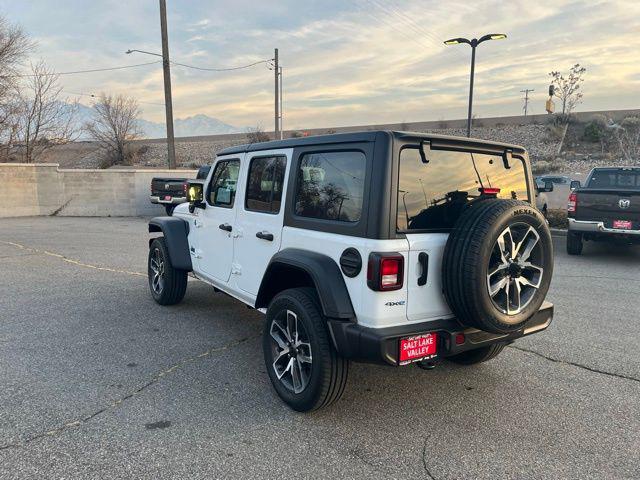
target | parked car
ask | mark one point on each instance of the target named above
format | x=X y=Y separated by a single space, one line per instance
x=173 y=191
x=554 y=179
x=542 y=201
x=385 y=247
x=607 y=208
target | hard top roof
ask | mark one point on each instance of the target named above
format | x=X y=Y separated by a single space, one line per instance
x=354 y=137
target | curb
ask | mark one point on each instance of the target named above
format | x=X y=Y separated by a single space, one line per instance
x=558 y=232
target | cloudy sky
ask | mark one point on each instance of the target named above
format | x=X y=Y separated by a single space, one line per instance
x=348 y=62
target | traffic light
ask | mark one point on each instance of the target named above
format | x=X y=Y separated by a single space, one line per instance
x=552 y=90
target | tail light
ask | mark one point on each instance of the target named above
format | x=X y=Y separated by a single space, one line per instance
x=185 y=187
x=385 y=271
x=489 y=191
x=573 y=202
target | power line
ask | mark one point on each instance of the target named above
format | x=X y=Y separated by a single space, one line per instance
x=409 y=23
x=228 y=69
x=93 y=95
x=80 y=71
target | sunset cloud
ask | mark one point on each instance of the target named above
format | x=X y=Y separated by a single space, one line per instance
x=357 y=62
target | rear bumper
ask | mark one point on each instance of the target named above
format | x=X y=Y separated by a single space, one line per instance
x=380 y=345
x=172 y=201
x=597 y=227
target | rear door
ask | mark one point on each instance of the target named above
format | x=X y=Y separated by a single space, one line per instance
x=431 y=197
x=260 y=216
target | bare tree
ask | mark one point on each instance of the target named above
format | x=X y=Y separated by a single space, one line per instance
x=14 y=46
x=43 y=118
x=627 y=135
x=114 y=126
x=567 y=89
x=257 y=135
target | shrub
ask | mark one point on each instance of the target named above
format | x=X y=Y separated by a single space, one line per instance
x=557 y=218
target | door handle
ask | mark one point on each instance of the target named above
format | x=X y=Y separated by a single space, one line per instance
x=226 y=227
x=423 y=259
x=265 y=236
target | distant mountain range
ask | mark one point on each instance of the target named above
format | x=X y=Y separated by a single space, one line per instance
x=183 y=127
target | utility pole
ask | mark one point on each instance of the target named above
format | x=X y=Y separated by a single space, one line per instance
x=281 y=109
x=526 y=98
x=171 y=147
x=276 y=70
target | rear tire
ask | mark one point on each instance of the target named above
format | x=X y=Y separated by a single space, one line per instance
x=304 y=368
x=478 y=355
x=574 y=243
x=167 y=284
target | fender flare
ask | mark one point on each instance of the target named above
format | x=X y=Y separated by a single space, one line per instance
x=323 y=271
x=175 y=231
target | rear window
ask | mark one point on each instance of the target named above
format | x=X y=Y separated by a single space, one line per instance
x=432 y=195
x=615 y=179
x=331 y=186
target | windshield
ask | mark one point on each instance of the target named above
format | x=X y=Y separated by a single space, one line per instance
x=432 y=195
x=623 y=179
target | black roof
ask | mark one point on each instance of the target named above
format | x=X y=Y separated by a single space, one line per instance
x=353 y=137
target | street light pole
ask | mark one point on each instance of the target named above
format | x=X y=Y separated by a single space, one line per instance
x=473 y=44
x=473 y=68
x=171 y=147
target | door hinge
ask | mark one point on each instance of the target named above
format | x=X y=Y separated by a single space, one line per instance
x=195 y=252
x=236 y=269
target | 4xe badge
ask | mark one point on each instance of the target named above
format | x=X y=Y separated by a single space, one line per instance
x=624 y=203
x=395 y=304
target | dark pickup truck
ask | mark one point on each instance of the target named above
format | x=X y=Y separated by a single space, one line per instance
x=606 y=208
x=173 y=191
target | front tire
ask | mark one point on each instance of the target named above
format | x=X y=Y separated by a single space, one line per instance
x=166 y=283
x=478 y=355
x=304 y=368
x=574 y=243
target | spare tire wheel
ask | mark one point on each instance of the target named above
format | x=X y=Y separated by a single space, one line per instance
x=497 y=265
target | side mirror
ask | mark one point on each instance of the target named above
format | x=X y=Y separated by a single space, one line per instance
x=195 y=195
x=575 y=184
x=548 y=186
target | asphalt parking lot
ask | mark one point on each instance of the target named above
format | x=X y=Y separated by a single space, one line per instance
x=99 y=381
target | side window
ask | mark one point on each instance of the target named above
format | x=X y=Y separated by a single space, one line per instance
x=264 y=184
x=330 y=186
x=222 y=190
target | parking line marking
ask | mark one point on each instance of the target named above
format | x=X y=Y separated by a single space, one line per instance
x=72 y=261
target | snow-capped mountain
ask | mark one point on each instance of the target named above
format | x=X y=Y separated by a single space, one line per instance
x=183 y=127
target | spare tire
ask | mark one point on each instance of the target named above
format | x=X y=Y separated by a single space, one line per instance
x=497 y=265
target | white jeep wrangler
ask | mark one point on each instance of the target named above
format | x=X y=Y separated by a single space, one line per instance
x=386 y=247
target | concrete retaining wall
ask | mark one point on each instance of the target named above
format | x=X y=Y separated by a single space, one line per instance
x=45 y=189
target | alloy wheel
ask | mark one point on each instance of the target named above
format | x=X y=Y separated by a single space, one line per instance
x=515 y=269
x=156 y=263
x=291 y=351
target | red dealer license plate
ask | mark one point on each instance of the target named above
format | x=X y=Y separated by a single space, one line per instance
x=167 y=197
x=622 y=224
x=420 y=347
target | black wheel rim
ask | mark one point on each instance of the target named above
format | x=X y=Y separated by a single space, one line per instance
x=291 y=351
x=156 y=264
x=515 y=269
